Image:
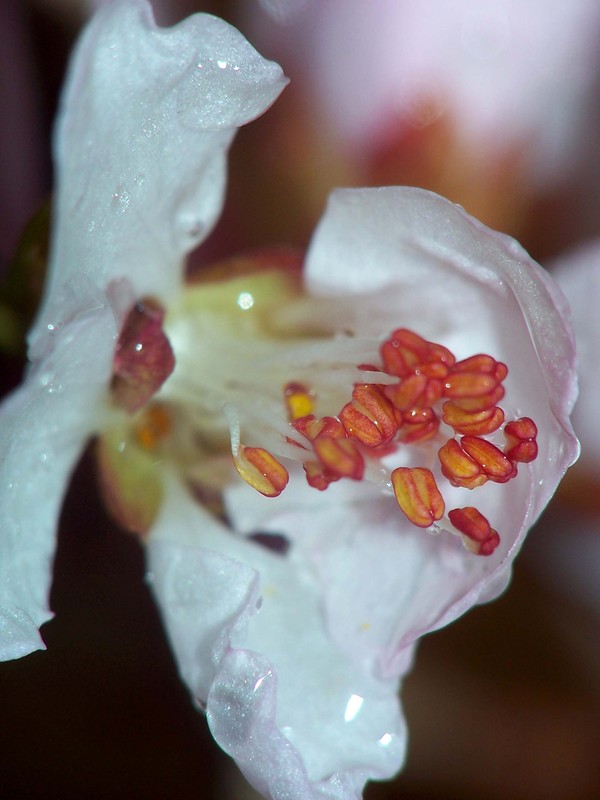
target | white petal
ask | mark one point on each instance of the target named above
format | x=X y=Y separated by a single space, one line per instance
x=301 y=717
x=146 y=119
x=421 y=262
x=43 y=427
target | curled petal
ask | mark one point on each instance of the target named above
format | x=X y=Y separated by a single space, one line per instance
x=147 y=116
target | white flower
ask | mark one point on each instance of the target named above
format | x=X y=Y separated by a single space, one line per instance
x=295 y=652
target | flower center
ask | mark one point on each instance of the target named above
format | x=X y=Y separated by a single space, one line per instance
x=260 y=371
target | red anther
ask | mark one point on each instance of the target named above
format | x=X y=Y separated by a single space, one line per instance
x=311 y=427
x=340 y=457
x=418 y=495
x=418 y=425
x=501 y=371
x=476 y=404
x=299 y=400
x=521 y=442
x=261 y=470
x=143 y=358
x=370 y=417
x=478 y=363
x=439 y=353
x=393 y=360
x=408 y=393
x=479 y=424
x=434 y=369
x=459 y=468
x=477 y=534
x=469 y=384
x=490 y=458
x=317 y=476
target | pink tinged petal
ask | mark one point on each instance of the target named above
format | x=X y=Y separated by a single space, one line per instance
x=578 y=275
x=146 y=120
x=420 y=262
x=43 y=427
x=301 y=717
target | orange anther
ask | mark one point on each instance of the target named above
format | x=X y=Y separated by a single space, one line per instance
x=261 y=470
x=469 y=384
x=418 y=495
x=521 y=442
x=490 y=458
x=418 y=425
x=299 y=401
x=153 y=426
x=369 y=417
x=317 y=476
x=408 y=393
x=478 y=424
x=311 y=427
x=477 y=534
x=339 y=456
x=476 y=404
x=459 y=468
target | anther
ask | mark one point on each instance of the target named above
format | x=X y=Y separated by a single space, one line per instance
x=153 y=427
x=469 y=384
x=521 y=442
x=459 y=468
x=490 y=458
x=476 y=533
x=339 y=456
x=261 y=470
x=143 y=358
x=479 y=423
x=299 y=401
x=418 y=495
x=418 y=425
x=370 y=417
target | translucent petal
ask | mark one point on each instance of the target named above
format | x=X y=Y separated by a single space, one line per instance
x=426 y=265
x=146 y=119
x=43 y=427
x=301 y=716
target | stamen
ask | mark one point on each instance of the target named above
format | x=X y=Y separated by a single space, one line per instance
x=369 y=417
x=475 y=424
x=153 y=427
x=459 y=468
x=490 y=458
x=477 y=535
x=521 y=440
x=418 y=425
x=261 y=470
x=339 y=457
x=143 y=357
x=299 y=401
x=418 y=495
x=469 y=384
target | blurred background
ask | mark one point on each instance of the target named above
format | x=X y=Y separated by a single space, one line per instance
x=495 y=105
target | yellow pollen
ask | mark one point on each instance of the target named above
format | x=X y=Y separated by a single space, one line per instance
x=299 y=401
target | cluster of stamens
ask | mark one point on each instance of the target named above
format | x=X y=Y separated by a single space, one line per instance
x=428 y=387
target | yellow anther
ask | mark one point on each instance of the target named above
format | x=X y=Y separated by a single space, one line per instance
x=299 y=401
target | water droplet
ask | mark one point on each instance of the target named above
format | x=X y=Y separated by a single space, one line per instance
x=222 y=64
x=120 y=199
